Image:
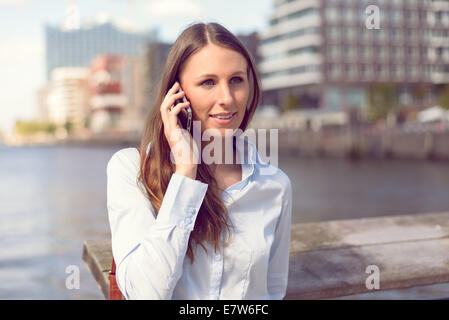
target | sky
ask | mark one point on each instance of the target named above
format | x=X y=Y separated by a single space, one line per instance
x=22 y=39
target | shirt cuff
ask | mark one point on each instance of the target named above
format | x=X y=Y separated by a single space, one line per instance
x=182 y=202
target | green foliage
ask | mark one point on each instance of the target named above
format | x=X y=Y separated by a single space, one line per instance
x=443 y=98
x=87 y=122
x=68 y=125
x=291 y=103
x=32 y=127
x=382 y=99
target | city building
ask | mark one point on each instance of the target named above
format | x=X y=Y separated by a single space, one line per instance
x=42 y=94
x=108 y=102
x=155 y=58
x=327 y=53
x=251 y=42
x=67 y=101
x=76 y=46
x=108 y=80
x=134 y=83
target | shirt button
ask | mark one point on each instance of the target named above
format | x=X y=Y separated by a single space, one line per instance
x=217 y=257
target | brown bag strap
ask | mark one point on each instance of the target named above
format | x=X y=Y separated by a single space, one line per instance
x=114 y=290
x=112 y=267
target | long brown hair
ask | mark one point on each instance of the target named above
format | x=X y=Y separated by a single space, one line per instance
x=156 y=168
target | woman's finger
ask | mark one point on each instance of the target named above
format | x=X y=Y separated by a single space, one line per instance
x=166 y=103
x=176 y=109
x=174 y=88
x=172 y=99
x=173 y=114
x=169 y=94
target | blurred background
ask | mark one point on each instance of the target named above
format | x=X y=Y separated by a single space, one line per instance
x=360 y=98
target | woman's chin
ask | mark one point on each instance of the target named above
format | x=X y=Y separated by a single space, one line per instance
x=218 y=132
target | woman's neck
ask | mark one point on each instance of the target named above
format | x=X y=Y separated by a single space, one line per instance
x=219 y=154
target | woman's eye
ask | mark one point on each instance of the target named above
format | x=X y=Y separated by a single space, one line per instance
x=236 y=80
x=207 y=83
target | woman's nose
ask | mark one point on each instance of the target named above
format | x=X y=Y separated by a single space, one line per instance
x=225 y=95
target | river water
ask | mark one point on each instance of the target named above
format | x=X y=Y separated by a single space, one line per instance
x=53 y=198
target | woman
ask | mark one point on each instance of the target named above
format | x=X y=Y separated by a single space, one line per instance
x=188 y=229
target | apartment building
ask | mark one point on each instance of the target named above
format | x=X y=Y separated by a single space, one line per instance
x=67 y=99
x=108 y=102
x=323 y=52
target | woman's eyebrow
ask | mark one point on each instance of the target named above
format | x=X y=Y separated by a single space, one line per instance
x=214 y=75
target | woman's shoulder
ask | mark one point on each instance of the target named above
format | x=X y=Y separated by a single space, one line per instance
x=275 y=175
x=126 y=159
x=278 y=180
x=282 y=177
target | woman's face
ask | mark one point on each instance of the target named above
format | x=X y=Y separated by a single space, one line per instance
x=216 y=84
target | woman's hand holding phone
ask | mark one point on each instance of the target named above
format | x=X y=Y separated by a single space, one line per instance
x=184 y=151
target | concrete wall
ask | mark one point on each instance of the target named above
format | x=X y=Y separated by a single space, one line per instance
x=388 y=144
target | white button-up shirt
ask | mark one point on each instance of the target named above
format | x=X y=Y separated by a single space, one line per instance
x=150 y=252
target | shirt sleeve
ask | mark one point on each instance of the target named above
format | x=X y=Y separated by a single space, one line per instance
x=280 y=250
x=149 y=252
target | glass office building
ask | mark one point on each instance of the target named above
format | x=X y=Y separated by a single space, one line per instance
x=78 y=47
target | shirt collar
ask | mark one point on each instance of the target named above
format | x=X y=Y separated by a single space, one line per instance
x=246 y=153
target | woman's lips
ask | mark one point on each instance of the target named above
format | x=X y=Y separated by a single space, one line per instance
x=223 y=118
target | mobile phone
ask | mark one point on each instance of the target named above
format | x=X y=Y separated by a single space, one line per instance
x=185 y=116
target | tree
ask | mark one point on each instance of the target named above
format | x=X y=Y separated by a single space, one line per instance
x=27 y=127
x=443 y=98
x=87 y=122
x=68 y=126
x=382 y=100
x=50 y=127
x=32 y=127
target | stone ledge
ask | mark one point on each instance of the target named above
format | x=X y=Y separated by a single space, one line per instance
x=329 y=259
x=97 y=254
